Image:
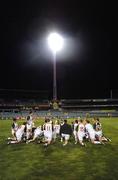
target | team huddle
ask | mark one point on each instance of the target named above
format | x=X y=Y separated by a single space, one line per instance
x=51 y=131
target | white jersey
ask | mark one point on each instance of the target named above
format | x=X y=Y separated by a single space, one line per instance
x=89 y=128
x=20 y=129
x=48 y=127
x=98 y=130
x=38 y=131
x=81 y=128
x=57 y=128
x=14 y=126
x=75 y=126
x=30 y=121
x=20 y=132
x=48 y=131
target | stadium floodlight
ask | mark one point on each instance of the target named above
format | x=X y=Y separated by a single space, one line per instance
x=55 y=42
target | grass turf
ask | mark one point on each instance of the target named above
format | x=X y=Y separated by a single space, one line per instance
x=73 y=162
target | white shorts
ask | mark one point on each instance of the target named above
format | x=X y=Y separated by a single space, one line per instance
x=37 y=134
x=54 y=134
x=48 y=136
x=92 y=135
x=57 y=131
x=19 y=136
x=29 y=127
x=80 y=136
x=66 y=136
x=75 y=133
x=98 y=133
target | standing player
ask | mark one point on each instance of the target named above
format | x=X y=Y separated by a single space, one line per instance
x=48 y=132
x=29 y=126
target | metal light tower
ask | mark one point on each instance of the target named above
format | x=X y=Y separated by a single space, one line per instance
x=55 y=42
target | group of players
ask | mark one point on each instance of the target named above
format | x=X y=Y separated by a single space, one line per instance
x=50 y=131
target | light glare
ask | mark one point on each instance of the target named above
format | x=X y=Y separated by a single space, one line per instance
x=55 y=42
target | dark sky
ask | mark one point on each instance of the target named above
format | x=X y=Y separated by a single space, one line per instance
x=87 y=66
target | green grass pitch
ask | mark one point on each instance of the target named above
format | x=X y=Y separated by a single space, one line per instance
x=73 y=162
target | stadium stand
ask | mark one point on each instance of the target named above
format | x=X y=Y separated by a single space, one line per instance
x=90 y=104
x=67 y=108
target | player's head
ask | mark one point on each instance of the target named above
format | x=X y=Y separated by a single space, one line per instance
x=24 y=123
x=65 y=121
x=55 y=122
x=61 y=121
x=76 y=121
x=94 y=120
x=28 y=118
x=97 y=120
x=87 y=121
x=58 y=121
x=46 y=120
x=81 y=120
x=30 y=112
x=14 y=119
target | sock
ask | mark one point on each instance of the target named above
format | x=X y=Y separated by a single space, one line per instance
x=97 y=142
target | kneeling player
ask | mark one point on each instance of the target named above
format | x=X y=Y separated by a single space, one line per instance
x=48 y=131
x=56 y=128
x=75 y=127
x=81 y=132
x=37 y=133
x=99 y=133
x=19 y=134
x=14 y=128
x=65 y=132
x=91 y=132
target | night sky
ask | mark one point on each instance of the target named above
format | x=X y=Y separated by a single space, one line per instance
x=87 y=65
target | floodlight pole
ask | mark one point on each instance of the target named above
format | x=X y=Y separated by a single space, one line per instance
x=54 y=77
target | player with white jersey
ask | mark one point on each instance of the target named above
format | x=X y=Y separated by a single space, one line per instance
x=81 y=132
x=19 y=134
x=56 y=128
x=14 y=128
x=29 y=126
x=99 y=133
x=30 y=120
x=98 y=130
x=37 y=133
x=91 y=132
x=75 y=127
x=48 y=132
